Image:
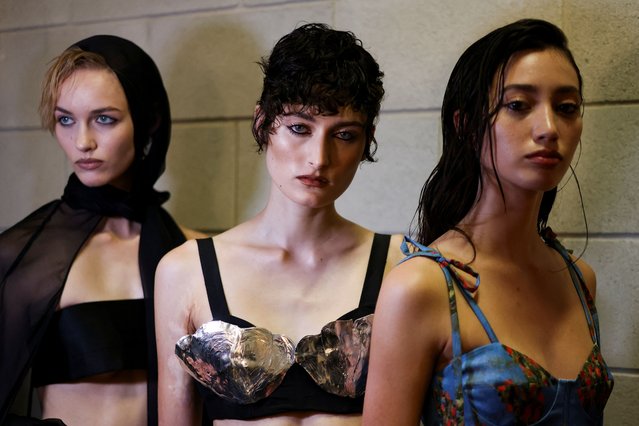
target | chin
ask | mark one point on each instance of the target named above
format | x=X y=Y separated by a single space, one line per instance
x=91 y=181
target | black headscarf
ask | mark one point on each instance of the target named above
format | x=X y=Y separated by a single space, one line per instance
x=36 y=254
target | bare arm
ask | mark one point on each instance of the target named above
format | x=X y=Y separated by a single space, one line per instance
x=410 y=330
x=178 y=402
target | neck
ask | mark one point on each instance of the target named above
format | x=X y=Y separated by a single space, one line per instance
x=121 y=227
x=289 y=224
x=505 y=227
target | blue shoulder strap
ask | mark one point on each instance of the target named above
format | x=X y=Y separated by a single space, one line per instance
x=587 y=303
x=449 y=267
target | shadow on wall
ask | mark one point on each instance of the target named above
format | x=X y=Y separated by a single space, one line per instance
x=213 y=83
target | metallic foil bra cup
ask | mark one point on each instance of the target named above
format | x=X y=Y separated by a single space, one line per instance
x=244 y=365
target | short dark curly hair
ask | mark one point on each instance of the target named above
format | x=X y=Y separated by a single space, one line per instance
x=320 y=69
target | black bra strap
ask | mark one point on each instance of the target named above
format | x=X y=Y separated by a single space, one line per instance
x=215 y=291
x=375 y=270
x=212 y=279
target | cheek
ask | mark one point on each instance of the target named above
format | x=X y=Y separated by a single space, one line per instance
x=573 y=137
x=64 y=139
x=488 y=147
x=354 y=161
x=125 y=149
x=280 y=154
x=276 y=162
x=507 y=138
x=577 y=128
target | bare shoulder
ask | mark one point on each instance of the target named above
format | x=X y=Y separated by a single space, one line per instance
x=179 y=289
x=417 y=290
x=192 y=234
x=589 y=275
x=411 y=314
x=417 y=276
x=179 y=264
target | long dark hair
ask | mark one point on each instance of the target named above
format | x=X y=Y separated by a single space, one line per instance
x=467 y=114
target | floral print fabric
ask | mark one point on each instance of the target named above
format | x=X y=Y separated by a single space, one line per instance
x=497 y=385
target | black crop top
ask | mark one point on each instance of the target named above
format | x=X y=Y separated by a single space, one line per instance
x=297 y=391
x=92 y=338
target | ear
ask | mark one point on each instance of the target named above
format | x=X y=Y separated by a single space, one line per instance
x=456 y=120
x=154 y=124
x=258 y=117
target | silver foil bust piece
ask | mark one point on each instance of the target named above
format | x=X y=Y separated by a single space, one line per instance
x=242 y=365
x=337 y=358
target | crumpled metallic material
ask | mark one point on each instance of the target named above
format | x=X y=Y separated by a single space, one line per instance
x=337 y=358
x=242 y=365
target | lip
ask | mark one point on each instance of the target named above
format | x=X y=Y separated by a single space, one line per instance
x=89 y=163
x=545 y=157
x=313 y=181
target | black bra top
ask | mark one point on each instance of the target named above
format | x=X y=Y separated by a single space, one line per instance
x=297 y=391
x=92 y=338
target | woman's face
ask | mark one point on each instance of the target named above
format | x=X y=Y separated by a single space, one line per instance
x=311 y=158
x=95 y=129
x=538 y=126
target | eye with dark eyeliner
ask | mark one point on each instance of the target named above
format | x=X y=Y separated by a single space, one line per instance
x=569 y=108
x=298 y=129
x=516 y=105
x=345 y=135
x=64 y=120
x=105 y=119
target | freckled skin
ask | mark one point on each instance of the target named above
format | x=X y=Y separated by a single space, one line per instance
x=526 y=291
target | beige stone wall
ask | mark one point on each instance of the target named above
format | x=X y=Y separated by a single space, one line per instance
x=206 y=51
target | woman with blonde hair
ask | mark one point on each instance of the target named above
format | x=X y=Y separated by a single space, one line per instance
x=77 y=275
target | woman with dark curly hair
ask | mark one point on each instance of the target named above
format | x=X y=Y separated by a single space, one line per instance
x=297 y=269
x=522 y=348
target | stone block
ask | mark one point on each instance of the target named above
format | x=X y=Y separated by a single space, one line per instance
x=200 y=175
x=209 y=60
x=385 y=194
x=607 y=174
x=254 y=182
x=417 y=43
x=18 y=14
x=87 y=11
x=33 y=170
x=604 y=37
x=615 y=263
x=622 y=408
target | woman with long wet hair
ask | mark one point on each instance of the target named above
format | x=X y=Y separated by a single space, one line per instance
x=522 y=347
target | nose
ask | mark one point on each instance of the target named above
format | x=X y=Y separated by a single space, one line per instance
x=319 y=152
x=545 y=129
x=85 y=139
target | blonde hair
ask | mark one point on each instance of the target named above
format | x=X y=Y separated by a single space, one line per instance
x=62 y=67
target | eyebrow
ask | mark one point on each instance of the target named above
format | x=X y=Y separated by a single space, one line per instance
x=531 y=88
x=95 y=111
x=311 y=117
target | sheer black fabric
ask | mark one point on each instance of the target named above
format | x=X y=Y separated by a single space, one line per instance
x=36 y=254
